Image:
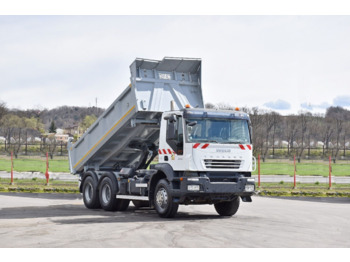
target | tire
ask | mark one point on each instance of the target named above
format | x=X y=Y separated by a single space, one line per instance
x=163 y=200
x=139 y=204
x=227 y=208
x=90 y=193
x=107 y=194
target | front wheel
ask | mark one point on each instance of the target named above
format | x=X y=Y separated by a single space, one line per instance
x=227 y=208
x=163 y=200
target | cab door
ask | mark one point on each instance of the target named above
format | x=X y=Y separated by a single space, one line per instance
x=171 y=149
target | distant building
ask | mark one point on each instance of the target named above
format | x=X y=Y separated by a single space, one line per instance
x=59 y=131
x=284 y=143
x=74 y=130
x=61 y=138
x=319 y=144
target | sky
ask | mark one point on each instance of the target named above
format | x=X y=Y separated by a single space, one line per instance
x=282 y=63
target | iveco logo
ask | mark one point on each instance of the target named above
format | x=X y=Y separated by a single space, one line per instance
x=223 y=150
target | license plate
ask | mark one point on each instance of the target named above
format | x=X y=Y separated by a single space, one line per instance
x=193 y=187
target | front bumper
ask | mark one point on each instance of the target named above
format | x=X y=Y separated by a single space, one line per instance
x=202 y=190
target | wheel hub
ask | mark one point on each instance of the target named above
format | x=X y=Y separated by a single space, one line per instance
x=106 y=194
x=162 y=198
x=88 y=192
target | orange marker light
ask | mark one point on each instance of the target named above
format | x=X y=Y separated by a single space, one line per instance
x=237 y=108
x=187 y=106
x=181 y=178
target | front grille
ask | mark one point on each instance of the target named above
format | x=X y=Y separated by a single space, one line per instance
x=221 y=163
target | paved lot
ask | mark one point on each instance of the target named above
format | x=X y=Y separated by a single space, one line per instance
x=57 y=220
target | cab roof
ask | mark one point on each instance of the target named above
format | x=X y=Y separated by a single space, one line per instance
x=213 y=113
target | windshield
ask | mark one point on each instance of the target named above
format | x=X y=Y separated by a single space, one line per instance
x=223 y=131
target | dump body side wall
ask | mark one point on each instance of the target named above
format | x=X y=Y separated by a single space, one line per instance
x=134 y=115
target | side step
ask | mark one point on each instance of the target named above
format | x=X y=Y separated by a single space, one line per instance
x=130 y=197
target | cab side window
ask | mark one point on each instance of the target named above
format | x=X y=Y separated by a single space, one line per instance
x=175 y=134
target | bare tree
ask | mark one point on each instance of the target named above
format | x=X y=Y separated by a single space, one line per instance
x=345 y=135
x=276 y=119
x=269 y=121
x=291 y=131
x=23 y=125
x=10 y=124
x=257 y=128
x=313 y=131
x=49 y=145
x=327 y=132
x=303 y=120
x=339 y=122
x=3 y=110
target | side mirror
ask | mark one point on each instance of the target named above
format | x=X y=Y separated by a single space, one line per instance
x=171 y=118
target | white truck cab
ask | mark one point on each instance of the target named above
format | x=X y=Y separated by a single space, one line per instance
x=206 y=140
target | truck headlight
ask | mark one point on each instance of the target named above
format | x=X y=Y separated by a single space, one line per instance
x=249 y=188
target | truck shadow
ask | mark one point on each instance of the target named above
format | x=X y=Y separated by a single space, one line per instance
x=78 y=214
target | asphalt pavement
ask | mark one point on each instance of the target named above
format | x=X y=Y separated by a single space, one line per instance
x=61 y=220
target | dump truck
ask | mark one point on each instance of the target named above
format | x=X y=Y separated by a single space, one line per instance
x=204 y=156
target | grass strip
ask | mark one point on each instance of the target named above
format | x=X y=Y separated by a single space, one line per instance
x=302 y=193
x=306 y=190
x=38 y=186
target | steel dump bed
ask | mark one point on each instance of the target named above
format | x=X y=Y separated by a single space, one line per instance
x=114 y=140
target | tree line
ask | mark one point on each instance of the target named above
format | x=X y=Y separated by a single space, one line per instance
x=20 y=129
x=295 y=134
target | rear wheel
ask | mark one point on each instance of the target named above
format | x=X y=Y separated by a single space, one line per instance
x=227 y=208
x=163 y=200
x=108 y=199
x=90 y=193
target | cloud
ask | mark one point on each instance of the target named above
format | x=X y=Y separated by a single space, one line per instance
x=309 y=106
x=342 y=101
x=71 y=60
x=278 y=105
